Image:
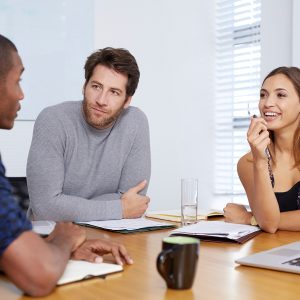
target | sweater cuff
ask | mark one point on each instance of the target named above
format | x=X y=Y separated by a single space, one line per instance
x=114 y=210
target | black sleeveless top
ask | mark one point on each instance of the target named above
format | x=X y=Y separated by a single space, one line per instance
x=289 y=200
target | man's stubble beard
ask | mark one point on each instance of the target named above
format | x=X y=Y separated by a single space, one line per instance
x=104 y=122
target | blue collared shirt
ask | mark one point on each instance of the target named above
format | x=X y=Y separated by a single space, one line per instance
x=12 y=219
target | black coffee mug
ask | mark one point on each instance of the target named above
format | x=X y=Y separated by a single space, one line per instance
x=177 y=262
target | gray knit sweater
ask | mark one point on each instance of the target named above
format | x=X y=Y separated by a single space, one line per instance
x=78 y=173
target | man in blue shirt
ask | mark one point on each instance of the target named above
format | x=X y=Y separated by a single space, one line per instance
x=32 y=263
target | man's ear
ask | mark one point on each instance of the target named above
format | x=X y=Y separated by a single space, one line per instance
x=83 y=88
x=127 y=101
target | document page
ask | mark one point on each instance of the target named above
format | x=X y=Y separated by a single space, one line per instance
x=217 y=228
x=126 y=224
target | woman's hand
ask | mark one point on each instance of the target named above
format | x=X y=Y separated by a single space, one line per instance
x=258 y=138
x=237 y=213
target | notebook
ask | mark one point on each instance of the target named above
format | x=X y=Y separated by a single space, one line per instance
x=219 y=231
x=284 y=258
x=175 y=215
x=77 y=270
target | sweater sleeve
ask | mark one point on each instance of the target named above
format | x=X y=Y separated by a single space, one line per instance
x=45 y=178
x=137 y=166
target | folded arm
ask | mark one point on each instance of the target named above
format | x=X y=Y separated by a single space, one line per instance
x=264 y=206
x=260 y=194
x=236 y=213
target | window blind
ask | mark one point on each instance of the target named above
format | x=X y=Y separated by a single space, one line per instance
x=237 y=85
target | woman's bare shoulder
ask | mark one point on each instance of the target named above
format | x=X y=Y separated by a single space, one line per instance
x=247 y=158
x=245 y=163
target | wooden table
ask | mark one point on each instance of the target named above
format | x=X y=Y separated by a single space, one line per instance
x=218 y=277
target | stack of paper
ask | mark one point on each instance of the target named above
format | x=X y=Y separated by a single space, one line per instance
x=175 y=215
x=128 y=225
x=219 y=231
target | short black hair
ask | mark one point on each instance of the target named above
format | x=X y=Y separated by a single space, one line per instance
x=6 y=49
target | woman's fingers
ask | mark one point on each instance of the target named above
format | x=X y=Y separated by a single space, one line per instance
x=257 y=126
x=258 y=136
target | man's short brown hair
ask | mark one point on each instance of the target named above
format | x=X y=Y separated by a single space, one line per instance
x=118 y=59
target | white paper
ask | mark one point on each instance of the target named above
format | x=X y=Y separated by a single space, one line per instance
x=78 y=270
x=217 y=228
x=43 y=227
x=125 y=224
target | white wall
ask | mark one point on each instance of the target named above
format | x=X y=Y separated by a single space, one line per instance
x=173 y=43
x=53 y=44
x=296 y=34
x=14 y=147
x=277 y=34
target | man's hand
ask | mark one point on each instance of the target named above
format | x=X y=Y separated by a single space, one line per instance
x=237 y=213
x=133 y=204
x=67 y=232
x=92 y=251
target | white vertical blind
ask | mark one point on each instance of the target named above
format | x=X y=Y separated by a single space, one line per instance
x=237 y=86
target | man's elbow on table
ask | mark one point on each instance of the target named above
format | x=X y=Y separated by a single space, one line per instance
x=41 y=284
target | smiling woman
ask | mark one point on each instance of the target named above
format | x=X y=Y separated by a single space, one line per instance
x=272 y=184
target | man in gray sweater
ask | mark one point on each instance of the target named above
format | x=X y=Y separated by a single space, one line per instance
x=90 y=159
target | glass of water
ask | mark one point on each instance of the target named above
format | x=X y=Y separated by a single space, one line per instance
x=189 y=201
